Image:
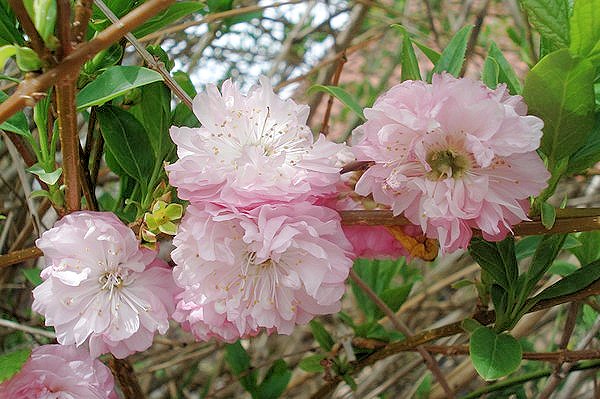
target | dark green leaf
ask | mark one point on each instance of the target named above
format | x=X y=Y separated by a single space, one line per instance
x=350 y=381
x=127 y=141
x=239 y=362
x=489 y=258
x=559 y=89
x=550 y=18
x=312 y=364
x=275 y=382
x=9 y=34
x=526 y=246
x=173 y=13
x=378 y=275
x=112 y=163
x=543 y=257
x=506 y=73
x=562 y=268
x=588 y=154
x=574 y=282
x=341 y=95
x=453 y=56
x=410 y=65
x=27 y=59
x=183 y=116
x=113 y=82
x=494 y=355
x=585 y=30
x=490 y=72
x=183 y=79
x=395 y=297
x=430 y=53
x=219 y=5
x=321 y=335
x=11 y=363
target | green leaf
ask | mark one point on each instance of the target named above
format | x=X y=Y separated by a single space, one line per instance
x=168 y=16
x=548 y=215
x=550 y=18
x=44 y=18
x=589 y=153
x=453 y=56
x=27 y=59
x=49 y=178
x=128 y=142
x=183 y=79
x=312 y=364
x=494 y=355
x=544 y=255
x=11 y=363
x=5 y=53
x=275 y=382
x=9 y=34
x=572 y=283
x=527 y=246
x=154 y=112
x=410 y=65
x=506 y=73
x=321 y=335
x=239 y=362
x=559 y=89
x=490 y=72
x=487 y=255
x=16 y=123
x=115 y=81
x=394 y=297
x=589 y=250
x=219 y=5
x=430 y=53
x=33 y=276
x=341 y=95
x=585 y=30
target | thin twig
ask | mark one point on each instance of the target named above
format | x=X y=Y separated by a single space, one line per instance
x=36 y=41
x=148 y=58
x=83 y=12
x=30 y=330
x=335 y=81
x=400 y=326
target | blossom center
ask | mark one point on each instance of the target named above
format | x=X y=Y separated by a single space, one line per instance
x=110 y=280
x=447 y=164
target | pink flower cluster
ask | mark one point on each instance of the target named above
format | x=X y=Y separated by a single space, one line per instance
x=100 y=288
x=452 y=156
x=58 y=371
x=254 y=252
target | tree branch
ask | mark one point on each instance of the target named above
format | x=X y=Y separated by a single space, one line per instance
x=28 y=92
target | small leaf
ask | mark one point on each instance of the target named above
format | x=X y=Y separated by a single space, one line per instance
x=5 y=53
x=275 y=382
x=312 y=364
x=543 y=257
x=27 y=59
x=572 y=283
x=506 y=73
x=548 y=215
x=453 y=56
x=11 y=363
x=341 y=95
x=430 y=53
x=128 y=142
x=239 y=362
x=395 y=297
x=486 y=254
x=550 y=18
x=470 y=325
x=321 y=335
x=490 y=72
x=183 y=79
x=114 y=82
x=410 y=65
x=9 y=34
x=494 y=355
x=589 y=250
x=49 y=178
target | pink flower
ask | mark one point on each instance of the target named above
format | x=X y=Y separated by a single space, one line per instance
x=100 y=287
x=452 y=155
x=272 y=267
x=251 y=150
x=61 y=372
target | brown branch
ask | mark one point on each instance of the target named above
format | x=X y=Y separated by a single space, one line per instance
x=400 y=326
x=63 y=27
x=27 y=92
x=83 y=12
x=35 y=40
x=121 y=368
x=335 y=81
x=22 y=255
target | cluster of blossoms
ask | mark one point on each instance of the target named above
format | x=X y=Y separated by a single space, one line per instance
x=254 y=250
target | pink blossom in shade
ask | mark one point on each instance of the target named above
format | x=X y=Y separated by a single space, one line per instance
x=452 y=156
x=251 y=149
x=271 y=268
x=60 y=372
x=100 y=287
